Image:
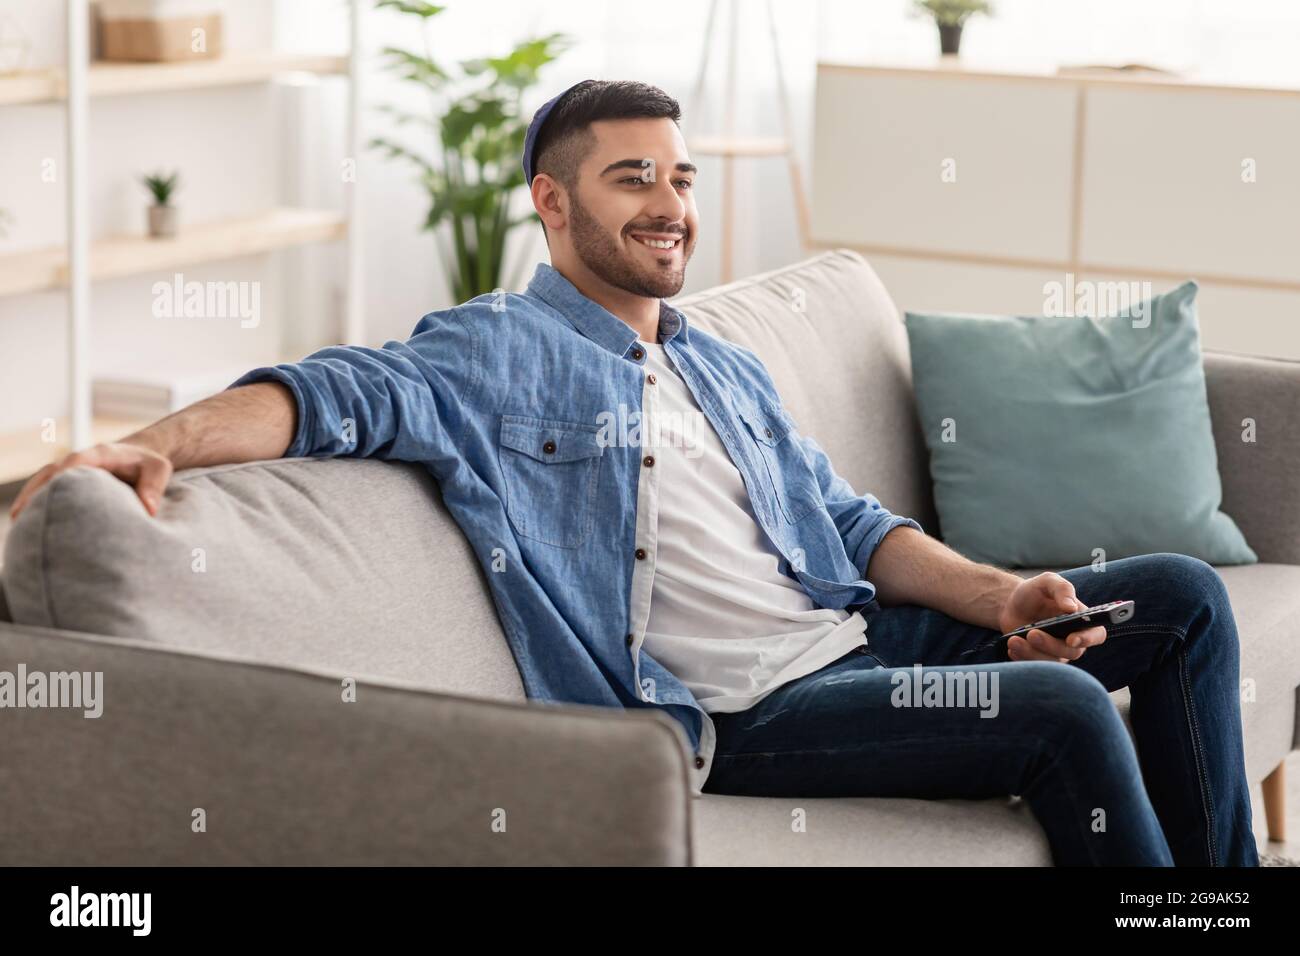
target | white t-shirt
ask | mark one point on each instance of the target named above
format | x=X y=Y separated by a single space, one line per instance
x=723 y=619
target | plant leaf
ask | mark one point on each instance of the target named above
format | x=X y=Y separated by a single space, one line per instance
x=397 y=150
x=413 y=7
x=414 y=67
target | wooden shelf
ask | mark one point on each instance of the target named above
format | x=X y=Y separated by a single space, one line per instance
x=22 y=453
x=44 y=269
x=120 y=79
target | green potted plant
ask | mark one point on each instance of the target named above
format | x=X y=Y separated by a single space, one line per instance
x=471 y=171
x=950 y=16
x=162 y=214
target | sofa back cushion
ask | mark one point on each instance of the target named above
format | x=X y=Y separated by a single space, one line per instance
x=355 y=567
x=836 y=347
x=348 y=566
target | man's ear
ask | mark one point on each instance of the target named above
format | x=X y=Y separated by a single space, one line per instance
x=550 y=201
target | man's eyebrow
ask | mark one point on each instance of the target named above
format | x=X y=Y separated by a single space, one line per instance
x=641 y=164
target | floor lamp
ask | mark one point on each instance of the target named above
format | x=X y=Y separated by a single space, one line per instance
x=728 y=145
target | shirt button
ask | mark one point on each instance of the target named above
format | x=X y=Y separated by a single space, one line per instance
x=640 y=554
x=628 y=640
x=699 y=762
x=648 y=461
x=768 y=431
x=549 y=447
x=637 y=353
x=651 y=378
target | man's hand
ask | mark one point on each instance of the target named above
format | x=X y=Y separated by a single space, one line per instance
x=1036 y=599
x=254 y=422
x=146 y=471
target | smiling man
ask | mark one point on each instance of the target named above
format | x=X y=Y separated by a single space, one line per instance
x=721 y=571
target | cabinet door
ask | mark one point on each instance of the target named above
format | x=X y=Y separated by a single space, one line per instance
x=1164 y=186
x=882 y=142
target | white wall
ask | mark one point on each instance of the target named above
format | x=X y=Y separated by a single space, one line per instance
x=1251 y=40
x=229 y=144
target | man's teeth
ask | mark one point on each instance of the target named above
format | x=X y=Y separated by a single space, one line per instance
x=657 y=243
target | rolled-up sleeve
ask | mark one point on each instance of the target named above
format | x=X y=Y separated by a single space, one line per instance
x=861 y=520
x=402 y=402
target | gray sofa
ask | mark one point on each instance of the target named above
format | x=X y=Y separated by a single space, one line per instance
x=233 y=629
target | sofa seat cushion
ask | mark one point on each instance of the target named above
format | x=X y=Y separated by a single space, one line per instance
x=866 y=831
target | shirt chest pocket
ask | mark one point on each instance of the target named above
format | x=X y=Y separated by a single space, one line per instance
x=794 y=483
x=550 y=469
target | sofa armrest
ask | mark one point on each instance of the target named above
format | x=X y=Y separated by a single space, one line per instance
x=1261 y=479
x=286 y=772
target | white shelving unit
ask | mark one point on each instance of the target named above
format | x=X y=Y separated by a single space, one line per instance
x=120 y=79
x=82 y=261
x=41 y=270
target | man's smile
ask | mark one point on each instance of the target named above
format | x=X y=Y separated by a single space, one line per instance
x=658 y=240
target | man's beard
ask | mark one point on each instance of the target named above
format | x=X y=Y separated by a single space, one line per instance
x=600 y=253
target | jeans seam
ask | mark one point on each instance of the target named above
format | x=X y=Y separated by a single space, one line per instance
x=1193 y=726
x=877 y=743
x=1153 y=628
x=1198 y=756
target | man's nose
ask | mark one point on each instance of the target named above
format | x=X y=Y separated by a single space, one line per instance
x=664 y=202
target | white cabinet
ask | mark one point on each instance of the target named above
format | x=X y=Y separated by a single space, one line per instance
x=918 y=161
x=1205 y=183
x=970 y=189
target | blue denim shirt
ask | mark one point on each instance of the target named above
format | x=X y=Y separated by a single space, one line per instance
x=507 y=400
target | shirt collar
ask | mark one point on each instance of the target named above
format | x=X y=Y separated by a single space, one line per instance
x=596 y=322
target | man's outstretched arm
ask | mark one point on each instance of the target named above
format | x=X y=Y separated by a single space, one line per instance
x=910 y=567
x=251 y=423
x=399 y=402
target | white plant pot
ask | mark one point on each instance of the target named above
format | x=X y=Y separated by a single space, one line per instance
x=162 y=221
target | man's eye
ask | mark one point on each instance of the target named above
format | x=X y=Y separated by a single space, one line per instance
x=636 y=180
x=685 y=183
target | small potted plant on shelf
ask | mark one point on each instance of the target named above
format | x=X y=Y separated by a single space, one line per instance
x=162 y=214
x=950 y=16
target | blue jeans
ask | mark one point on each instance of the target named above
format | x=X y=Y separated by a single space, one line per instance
x=1043 y=730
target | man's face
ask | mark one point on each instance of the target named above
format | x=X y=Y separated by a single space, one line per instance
x=633 y=220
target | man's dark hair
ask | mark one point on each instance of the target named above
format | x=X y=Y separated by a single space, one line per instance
x=566 y=136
